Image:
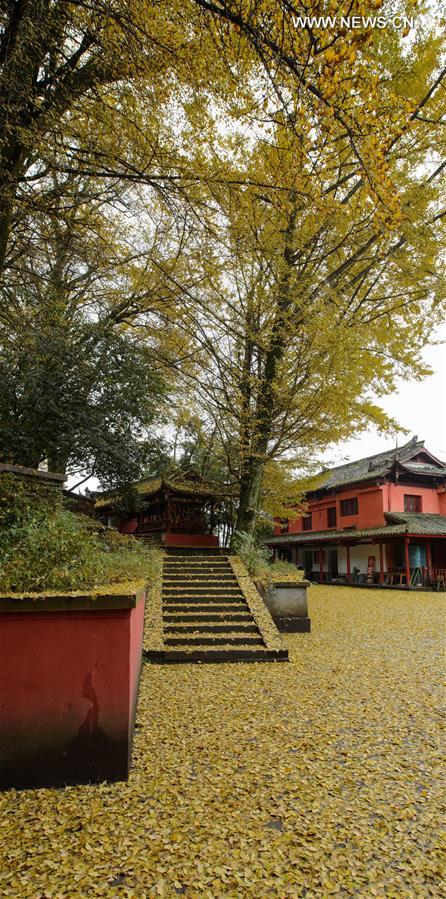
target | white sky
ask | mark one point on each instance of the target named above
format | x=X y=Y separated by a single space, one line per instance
x=419 y=406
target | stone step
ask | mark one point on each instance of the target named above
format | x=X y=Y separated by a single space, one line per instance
x=213 y=655
x=200 y=552
x=206 y=587
x=207 y=601
x=222 y=654
x=203 y=617
x=188 y=552
x=196 y=560
x=209 y=607
x=179 y=568
x=202 y=591
x=196 y=576
x=237 y=639
x=201 y=563
x=199 y=578
x=234 y=628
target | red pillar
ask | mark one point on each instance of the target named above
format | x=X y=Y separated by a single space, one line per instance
x=406 y=555
x=429 y=561
x=348 y=561
x=321 y=566
x=381 y=563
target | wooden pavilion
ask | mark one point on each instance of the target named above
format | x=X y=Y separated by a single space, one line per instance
x=176 y=510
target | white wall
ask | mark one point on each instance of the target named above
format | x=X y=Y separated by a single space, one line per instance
x=359 y=556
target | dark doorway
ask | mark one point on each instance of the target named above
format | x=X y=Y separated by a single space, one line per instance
x=308 y=562
x=285 y=555
x=333 y=563
x=398 y=555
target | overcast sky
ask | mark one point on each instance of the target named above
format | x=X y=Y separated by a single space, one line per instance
x=418 y=406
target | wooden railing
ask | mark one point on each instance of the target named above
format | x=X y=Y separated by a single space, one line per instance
x=396 y=576
x=438 y=578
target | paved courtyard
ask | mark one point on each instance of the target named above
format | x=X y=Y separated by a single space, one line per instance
x=316 y=778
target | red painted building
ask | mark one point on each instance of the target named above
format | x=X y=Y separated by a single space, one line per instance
x=379 y=519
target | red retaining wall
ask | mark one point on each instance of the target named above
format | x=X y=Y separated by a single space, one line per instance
x=68 y=689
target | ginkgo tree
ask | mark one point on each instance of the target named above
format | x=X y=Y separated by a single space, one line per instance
x=297 y=173
x=327 y=278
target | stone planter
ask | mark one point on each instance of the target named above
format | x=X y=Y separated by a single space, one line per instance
x=69 y=674
x=287 y=603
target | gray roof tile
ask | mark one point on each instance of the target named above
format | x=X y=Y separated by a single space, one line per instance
x=378 y=465
x=423 y=523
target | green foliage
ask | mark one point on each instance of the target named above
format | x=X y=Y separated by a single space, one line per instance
x=45 y=546
x=76 y=392
x=257 y=559
x=254 y=556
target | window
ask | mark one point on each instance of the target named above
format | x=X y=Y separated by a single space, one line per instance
x=349 y=506
x=331 y=517
x=306 y=522
x=284 y=525
x=412 y=503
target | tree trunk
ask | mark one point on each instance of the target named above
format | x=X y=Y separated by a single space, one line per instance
x=256 y=430
x=250 y=488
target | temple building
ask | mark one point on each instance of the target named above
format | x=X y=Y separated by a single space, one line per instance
x=379 y=520
x=174 y=511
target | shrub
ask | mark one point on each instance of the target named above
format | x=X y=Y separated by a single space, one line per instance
x=45 y=546
x=256 y=557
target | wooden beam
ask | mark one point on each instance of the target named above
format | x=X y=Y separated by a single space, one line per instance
x=429 y=560
x=168 y=511
x=406 y=556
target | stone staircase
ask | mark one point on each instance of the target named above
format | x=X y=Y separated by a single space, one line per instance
x=207 y=615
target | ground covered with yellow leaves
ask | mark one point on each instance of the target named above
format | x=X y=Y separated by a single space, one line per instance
x=318 y=777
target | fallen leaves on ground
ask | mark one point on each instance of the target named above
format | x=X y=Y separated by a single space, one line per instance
x=314 y=778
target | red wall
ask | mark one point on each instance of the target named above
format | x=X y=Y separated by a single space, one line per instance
x=69 y=684
x=128 y=526
x=394 y=498
x=135 y=658
x=370 y=511
x=372 y=503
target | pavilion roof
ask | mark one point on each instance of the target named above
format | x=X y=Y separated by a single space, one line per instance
x=186 y=483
